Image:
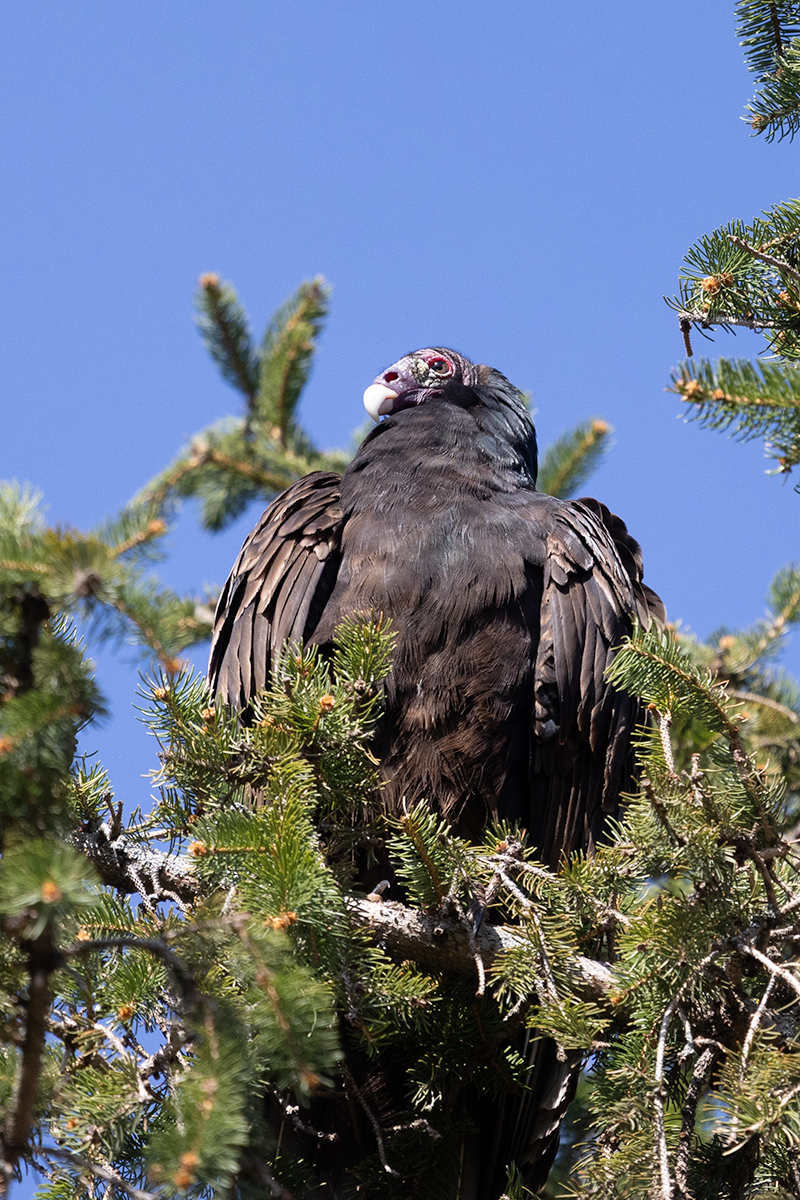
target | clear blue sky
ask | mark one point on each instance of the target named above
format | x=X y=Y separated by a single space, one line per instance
x=517 y=180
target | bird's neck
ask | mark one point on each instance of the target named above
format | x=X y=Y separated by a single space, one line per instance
x=477 y=448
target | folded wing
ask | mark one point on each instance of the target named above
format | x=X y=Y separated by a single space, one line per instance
x=279 y=585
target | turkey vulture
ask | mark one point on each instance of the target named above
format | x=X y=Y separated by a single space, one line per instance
x=507 y=604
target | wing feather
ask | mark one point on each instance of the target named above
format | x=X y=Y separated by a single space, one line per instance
x=278 y=587
x=592 y=593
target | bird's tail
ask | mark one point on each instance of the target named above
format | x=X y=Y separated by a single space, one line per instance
x=525 y=1128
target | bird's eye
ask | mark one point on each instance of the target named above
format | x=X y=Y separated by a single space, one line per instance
x=440 y=365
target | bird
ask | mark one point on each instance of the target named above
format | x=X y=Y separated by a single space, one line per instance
x=508 y=605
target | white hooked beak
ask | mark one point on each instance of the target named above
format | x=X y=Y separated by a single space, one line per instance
x=378 y=400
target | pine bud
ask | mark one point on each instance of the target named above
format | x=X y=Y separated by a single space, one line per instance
x=198 y=849
x=281 y=921
x=208 y=714
x=126 y=1011
x=326 y=704
x=209 y=280
x=185 y=1174
x=51 y=892
x=6 y=745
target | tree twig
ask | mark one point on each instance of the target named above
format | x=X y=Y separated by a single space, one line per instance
x=753 y=1026
x=701 y=1071
x=778 y=263
x=107 y=1174
x=42 y=961
x=353 y=1087
x=664 y=722
x=765 y=702
x=659 y=1092
x=701 y=319
x=772 y=967
x=171 y=960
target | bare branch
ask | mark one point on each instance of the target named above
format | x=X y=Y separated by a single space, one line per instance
x=753 y=1026
x=664 y=722
x=701 y=319
x=441 y=943
x=659 y=1092
x=353 y=1087
x=292 y=1111
x=772 y=967
x=778 y=263
x=659 y=1097
x=130 y=866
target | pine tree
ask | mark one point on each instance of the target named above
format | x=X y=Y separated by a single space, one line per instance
x=181 y=987
x=140 y=1040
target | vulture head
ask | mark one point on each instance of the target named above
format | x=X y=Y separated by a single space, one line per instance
x=418 y=377
x=437 y=373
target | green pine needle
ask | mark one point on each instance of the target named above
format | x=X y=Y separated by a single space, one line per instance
x=569 y=462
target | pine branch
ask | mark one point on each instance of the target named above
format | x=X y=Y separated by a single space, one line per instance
x=651 y=665
x=181 y=477
x=764 y=30
x=749 y=399
x=746 y=275
x=85 y=1166
x=568 y=462
x=192 y=1000
x=286 y=353
x=131 y=865
x=96 y=575
x=439 y=942
x=765 y=702
x=226 y=332
x=775 y=108
x=432 y=940
x=769 y=34
x=785 y=604
x=780 y=264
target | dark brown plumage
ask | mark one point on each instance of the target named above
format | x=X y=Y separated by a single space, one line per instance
x=507 y=603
